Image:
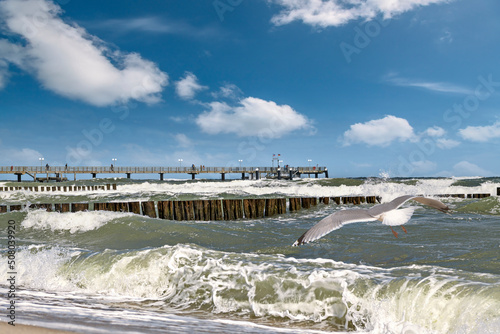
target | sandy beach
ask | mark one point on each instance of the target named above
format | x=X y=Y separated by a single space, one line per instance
x=26 y=329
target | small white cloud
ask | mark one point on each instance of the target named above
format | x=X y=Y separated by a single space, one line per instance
x=253 y=117
x=380 y=132
x=481 y=133
x=465 y=168
x=176 y=119
x=188 y=86
x=72 y=63
x=439 y=87
x=21 y=157
x=182 y=140
x=228 y=91
x=328 y=13
x=446 y=37
x=444 y=143
x=4 y=73
x=435 y=131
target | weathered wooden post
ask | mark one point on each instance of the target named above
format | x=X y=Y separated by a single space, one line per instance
x=3 y=208
x=207 y=210
x=216 y=206
x=249 y=207
x=232 y=209
x=188 y=210
x=64 y=207
x=114 y=186
x=228 y=209
x=179 y=210
x=148 y=209
x=271 y=207
x=16 y=207
x=306 y=202
x=166 y=210
x=281 y=203
x=75 y=207
x=198 y=210
x=260 y=204
x=134 y=207
x=108 y=186
x=238 y=209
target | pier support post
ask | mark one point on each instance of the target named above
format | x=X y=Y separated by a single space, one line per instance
x=161 y=176
x=242 y=176
x=316 y=175
x=257 y=174
x=326 y=173
x=223 y=176
x=128 y=175
x=291 y=175
x=19 y=177
x=193 y=175
x=279 y=174
x=94 y=175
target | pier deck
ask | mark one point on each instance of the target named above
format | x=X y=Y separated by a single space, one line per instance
x=58 y=172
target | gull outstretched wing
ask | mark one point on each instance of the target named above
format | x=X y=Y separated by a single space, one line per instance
x=332 y=222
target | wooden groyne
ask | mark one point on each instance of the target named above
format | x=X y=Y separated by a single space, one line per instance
x=203 y=210
x=71 y=188
x=214 y=209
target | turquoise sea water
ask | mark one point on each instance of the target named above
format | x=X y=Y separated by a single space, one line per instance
x=103 y=272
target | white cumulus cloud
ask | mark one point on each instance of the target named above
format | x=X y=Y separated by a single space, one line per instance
x=481 y=133
x=72 y=63
x=327 y=13
x=252 y=117
x=435 y=131
x=444 y=143
x=188 y=86
x=465 y=168
x=379 y=132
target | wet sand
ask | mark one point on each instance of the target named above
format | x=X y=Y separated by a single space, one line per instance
x=5 y=328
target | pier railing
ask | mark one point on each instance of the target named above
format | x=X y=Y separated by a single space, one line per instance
x=154 y=170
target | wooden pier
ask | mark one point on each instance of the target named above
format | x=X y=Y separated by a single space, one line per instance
x=59 y=173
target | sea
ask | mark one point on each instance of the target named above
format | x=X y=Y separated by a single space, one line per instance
x=111 y=272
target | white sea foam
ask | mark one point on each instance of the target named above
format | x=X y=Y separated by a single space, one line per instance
x=313 y=188
x=375 y=300
x=69 y=221
x=303 y=188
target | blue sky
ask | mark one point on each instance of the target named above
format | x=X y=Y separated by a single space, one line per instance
x=408 y=88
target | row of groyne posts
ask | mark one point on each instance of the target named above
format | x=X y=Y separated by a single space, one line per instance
x=212 y=209
x=61 y=188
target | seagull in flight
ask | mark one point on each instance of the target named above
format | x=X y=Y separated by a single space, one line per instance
x=387 y=213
